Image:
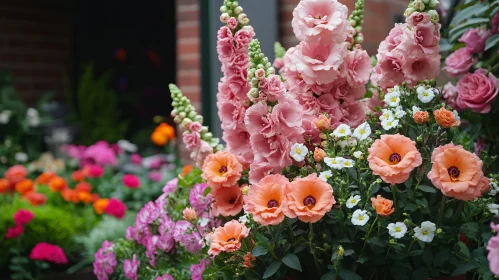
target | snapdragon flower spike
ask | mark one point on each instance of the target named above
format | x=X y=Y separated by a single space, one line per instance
x=184 y=114
x=259 y=68
x=356 y=20
x=279 y=50
x=233 y=16
x=427 y=6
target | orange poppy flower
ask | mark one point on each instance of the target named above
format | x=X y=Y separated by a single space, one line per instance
x=70 y=195
x=383 y=206
x=166 y=130
x=159 y=138
x=100 y=204
x=264 y=200
x=4 y=185
x=221 y=169
x=319 y=154
x=78 y=175
x=458 y=173
x=45 y=177
x=227 y=201
x=227 y=238
x=57 y=184
x=35 y=199
x=25 y=186
x=308 y=198
x=83 y=187
x=393 y=157
x=186 y=170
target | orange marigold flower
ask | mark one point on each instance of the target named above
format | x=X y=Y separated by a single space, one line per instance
x=166 y=130
x=100 y=204
x=264 y=200
x=445 y=118
x=319 y=154
x=70 y=195
x=221 y=169
x=308 y=198
x=83 y=187
x=45 y=177
x=78 y=175
x=458 y=173
x=248 y=259
x=393 y=157
x=227 y=201
x=383 y=206
x=16 y=174
x=35 y=199
x=57 y=184
x=25 y=186
x=84 y=197
x=4 y=185
x=420 y=117
x=227 y=238
x=159 y=138
x=186 y=170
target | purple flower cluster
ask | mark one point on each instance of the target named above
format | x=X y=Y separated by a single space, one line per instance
x=105 y=261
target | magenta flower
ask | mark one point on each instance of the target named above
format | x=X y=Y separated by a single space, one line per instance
x=130 y=268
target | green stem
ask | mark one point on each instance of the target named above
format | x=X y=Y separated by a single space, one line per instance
x=368 y=234
x=441 y=210
x=410 y=246
x=395 y=202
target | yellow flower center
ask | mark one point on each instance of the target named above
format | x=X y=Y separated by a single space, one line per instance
x=397 y=229
x=342 y=131
x=362 y=132
x=347 y=163
x=361 y=218
x=353 y=201
x=298 y=151
x=394 y=99
x=425 y=232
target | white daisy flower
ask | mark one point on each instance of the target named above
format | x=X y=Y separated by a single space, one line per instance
x=244 y=219
x=395 y=89
x=21 y=157
x=298 y=152
x=336 y=163
x=420 y=89
x=362 y=131
x=352 y=201
x=387 y=125
x=392 y=99
x=204 y=221
x=494 y=187
x=415 y=109
x=325 y=175
x=426 y=232
x=426 y=95
x=127 y=146
x=399 y=112
x=456 y=115
x=359 y=217
x=358 y=154
x=348 y=163
x=33 y=117
x=493 y=208
x=386 y=115
x=342 y=130
x=5 y=116
x=397 y=230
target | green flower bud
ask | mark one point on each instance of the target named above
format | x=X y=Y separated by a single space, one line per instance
x=223 y=9
x=191 y=115
x=182 y=115
x=177 y=119
x=435 y=18
x=341 y=251
x=408 y=12
x=406 y=221
x=238 y=10
x=198 y=119
x=393 y=241
x=207 y=136
x=358 y=28
x=439 y=230
x=353 y=23
x=434 y=3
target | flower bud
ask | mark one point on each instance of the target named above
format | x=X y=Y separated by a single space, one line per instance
x=319 y=154
x=207 y=136
x=408 y=12
x=435 y=18
x=260 y=74
x=177 y=119
x=245 y=189
x=418 y=5
x=186 y=123
x=198 y=119
x=242 y=19
x=421 y=117
x=223 y=9
x=189 y=214
x=406 y=222
x=439 y=230
x=224 y=17
x=322 y=123
x=393 y=241
x=434 y=3
x=238 y=10
x=341 y=251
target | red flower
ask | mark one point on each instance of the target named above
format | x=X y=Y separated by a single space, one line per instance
x=115 y=208
x=23 y=217
x=48 y=252
x=131 y=181
x=15 y=231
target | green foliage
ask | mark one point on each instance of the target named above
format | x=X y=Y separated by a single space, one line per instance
x=96 y=109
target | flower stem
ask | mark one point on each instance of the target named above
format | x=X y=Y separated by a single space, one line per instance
x=395 y=203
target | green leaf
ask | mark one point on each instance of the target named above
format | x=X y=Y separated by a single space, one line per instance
x=462 y=269
x=300 y=248
x=349 y=275
x=476 y=9
x=470 y=230
x=457 y=31
x=272 y=269
x=492 y=41
x=410 y=207
x=415 y=253
x=374 y=189
x=331 y=275
x=259 y=251
x=353 y=173
x=421 y=273
x=427 y=189
x=408 y=183
x=441 y=257
x=292 y=261
x=206 y=191
x=427 y=256
x=348 y=252
x=463 y=250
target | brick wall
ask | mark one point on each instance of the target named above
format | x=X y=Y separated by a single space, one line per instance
x=35 y=44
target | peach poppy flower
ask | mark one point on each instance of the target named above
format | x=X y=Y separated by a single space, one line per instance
x=308 y=198
x=25 y=186
x=393 y=157
x=319 y=154
x=445 y=118
x=383 y=206
x=227 y=201
x=458 y=173
x=322 y=123
x=227 y=238
x=35 y=199
x=100 y=204
x=420 y=117
x=45 y=177
x=221 y=169
x=264 y=200
x=4 y=185
x=57 y=184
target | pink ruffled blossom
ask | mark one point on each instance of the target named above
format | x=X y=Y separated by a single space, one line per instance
x=426 y=36
x=48 y=252
x=147 y=215
x=191 y=140
x=320 y=21
x=100 y=153
x=130 y=267
x=231 y=114
x=165 y=277
x=187 y=236
x=419 y=67
x=271 y=88
x=131 y=181
x=242 y=38
x=136 y=159
x=115 y=208
x=450 y=94
x=232 y=23
x=238 y=143
x=198 y=269
x=23 y=217
x=343 y=90
x=475 y=39
x=477 y=91
x=198 y=200
x=105 y=261
x=357 y=67
x=170 y=186
x=416 y=18
x=201 y=153
x=353 y=113
x=275 y=148
x=258 y=170
x=459 y=62
x=195 y=127
x=493 y=254
x=388 y=71
x=155 y=176
x=393 y=39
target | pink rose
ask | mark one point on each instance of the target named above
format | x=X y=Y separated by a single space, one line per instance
x=427 y=36
x=475 y=39
x=416 y=18
x=393 y=39
x=195 y=127
x=477 y=91
x=318 y=64
x=459 y=62
x=450 y=95
x=357 y=67
x=191 y=140
x=232 y=23
x=353 y=113
x=320 y=21
x=419 y=66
